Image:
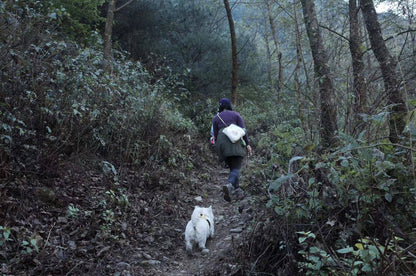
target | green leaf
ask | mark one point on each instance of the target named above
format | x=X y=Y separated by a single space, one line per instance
x=108 y=167
x=346 y=250
x=280 y=211
x=367 y=268
x=34 y=244
x=359 y=246
x=356 y=263
x=388 y=197
x=344 y=163
x=6 y=138
x=314 y=250
x=275 y=185
x=321 y=165
x=413 y=102
x=311 y=181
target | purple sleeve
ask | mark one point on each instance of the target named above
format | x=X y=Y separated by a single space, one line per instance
x=215 y=127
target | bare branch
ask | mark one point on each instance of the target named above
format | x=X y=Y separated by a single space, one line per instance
x=122 y=6
x=335 y=32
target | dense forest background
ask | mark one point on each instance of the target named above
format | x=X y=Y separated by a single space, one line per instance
x=326 y=89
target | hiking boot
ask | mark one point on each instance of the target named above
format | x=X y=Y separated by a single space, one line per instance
x=226 y=189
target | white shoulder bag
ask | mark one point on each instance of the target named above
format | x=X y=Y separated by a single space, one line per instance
x=233 y=131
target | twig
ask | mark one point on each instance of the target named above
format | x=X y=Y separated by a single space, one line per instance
x=335 y=32
x=252 y=239
x=397 y=254
x=69 y=272
x=261 y=255
x=49 y=235
x=407 y=250
x=122 y=6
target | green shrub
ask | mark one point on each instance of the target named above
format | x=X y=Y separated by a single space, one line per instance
x=66 y=101
x=358 y=192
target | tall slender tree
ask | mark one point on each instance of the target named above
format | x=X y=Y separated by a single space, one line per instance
x=297 y=84
x=234 y=82
x=359 y=81
x=277 y=45
x=395 y=99
x=322 y=74
x=268 y=55
x=108 y=31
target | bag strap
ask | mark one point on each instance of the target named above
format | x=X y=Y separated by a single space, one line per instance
x=221 y=119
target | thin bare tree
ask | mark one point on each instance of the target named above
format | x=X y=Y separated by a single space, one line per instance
x=322 y=75
x=234 y=81
x=277 y=45
x=300 y=98
x=108 y=31
x=388 y=64
x=355 y=44
x=268 y=55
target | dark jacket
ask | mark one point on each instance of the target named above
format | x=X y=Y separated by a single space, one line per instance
x=225 y=148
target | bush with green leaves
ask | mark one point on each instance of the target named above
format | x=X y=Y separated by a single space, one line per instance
x=359 y=192
x=67 y=100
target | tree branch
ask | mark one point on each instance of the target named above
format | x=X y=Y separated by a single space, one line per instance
x=335 y=32
x=400 y=33
x=122 y=6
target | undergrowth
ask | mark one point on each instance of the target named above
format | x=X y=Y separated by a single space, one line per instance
x=65 y=101
x=350 y=211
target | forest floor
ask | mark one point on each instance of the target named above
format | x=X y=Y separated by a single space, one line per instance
x=73 y=224
x=231 y=219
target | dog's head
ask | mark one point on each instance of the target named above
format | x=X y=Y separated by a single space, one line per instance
x=201 y=212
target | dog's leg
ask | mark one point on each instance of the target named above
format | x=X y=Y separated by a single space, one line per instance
x=203 y=248
x=188 y=246
x=202 y=245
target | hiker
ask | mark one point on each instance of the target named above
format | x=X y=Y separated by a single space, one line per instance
x=231 y=153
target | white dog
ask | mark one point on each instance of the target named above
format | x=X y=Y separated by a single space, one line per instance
x=199 y=228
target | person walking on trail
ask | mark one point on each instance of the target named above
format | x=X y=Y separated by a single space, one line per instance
x=231 y=153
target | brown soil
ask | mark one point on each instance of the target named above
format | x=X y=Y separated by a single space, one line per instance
x=78 y=224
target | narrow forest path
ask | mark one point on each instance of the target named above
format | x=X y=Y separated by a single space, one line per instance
x=231 y=219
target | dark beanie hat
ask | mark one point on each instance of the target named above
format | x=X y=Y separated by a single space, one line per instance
x=225 y=104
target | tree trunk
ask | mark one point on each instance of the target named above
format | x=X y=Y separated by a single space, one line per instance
x=322 y=74
x=359 y=82
x=109 y=29
x=234 y=83
x=299 y=98
x=279 y=53
x=397 y=121
x=269 y=58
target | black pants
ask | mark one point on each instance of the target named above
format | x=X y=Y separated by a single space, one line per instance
x=234 y=162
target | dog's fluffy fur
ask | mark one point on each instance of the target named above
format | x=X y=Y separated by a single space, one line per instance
x=199 y=228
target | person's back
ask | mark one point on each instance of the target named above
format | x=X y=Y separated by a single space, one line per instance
x=226 y=118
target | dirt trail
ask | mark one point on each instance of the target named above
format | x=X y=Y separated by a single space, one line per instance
x=231 y=218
